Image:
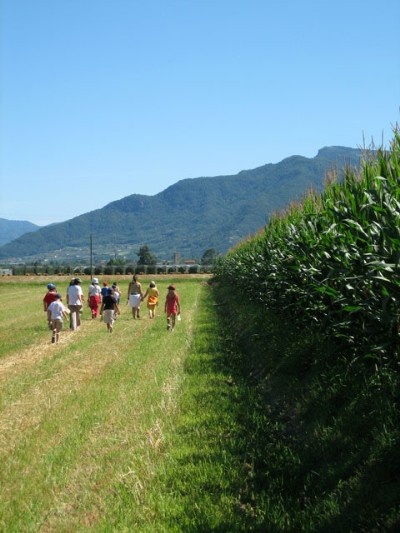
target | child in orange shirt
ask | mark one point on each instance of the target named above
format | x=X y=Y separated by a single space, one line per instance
x=152 y=300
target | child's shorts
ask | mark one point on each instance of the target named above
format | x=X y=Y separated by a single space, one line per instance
x=108 y=316
x=57 y=324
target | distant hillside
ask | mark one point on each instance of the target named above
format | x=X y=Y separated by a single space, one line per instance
x=12 y=229
x=188 y=217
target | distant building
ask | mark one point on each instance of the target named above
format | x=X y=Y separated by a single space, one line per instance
x=177 y=258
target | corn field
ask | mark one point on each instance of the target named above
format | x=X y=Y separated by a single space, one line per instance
x=332 y=262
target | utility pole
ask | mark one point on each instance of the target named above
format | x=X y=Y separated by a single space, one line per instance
x=91 y=257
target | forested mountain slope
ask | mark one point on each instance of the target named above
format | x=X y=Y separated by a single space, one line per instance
x=12 y=229
x=189 y=216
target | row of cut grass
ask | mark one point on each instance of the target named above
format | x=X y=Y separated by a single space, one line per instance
x=84 y=417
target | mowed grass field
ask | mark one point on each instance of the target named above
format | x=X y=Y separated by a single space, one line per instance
x=129 y=431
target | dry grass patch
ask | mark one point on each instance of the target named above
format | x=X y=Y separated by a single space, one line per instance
x=82 y=422
x=43 y=389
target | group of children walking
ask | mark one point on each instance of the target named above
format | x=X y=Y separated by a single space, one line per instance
x=104 y=302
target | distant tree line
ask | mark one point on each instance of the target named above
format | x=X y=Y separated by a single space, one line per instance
x=146 y=264
x=98 y=270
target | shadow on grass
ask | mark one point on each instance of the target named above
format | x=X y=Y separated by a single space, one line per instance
x=210 y=469
x=278 y=434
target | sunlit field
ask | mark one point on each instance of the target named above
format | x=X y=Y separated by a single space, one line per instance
x=88 y=425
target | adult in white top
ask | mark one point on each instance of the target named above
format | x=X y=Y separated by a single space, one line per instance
x=75 y=303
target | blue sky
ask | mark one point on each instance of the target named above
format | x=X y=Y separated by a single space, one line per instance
x=102 y=99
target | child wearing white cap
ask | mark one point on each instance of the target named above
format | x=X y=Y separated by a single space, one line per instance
x=94 y=297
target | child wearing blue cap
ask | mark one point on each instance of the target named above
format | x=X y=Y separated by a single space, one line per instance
x=49 y=297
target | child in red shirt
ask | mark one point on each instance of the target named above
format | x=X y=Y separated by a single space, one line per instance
x=49 y=297
x=172 y=307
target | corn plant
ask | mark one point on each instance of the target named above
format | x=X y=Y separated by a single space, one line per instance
x=333 y=261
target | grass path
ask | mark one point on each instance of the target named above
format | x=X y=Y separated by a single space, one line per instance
x=91 y=428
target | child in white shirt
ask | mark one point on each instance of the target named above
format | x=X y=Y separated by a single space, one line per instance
x=56 y=311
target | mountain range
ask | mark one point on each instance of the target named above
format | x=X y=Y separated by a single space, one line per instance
x=12 y=229
x=188 y=217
